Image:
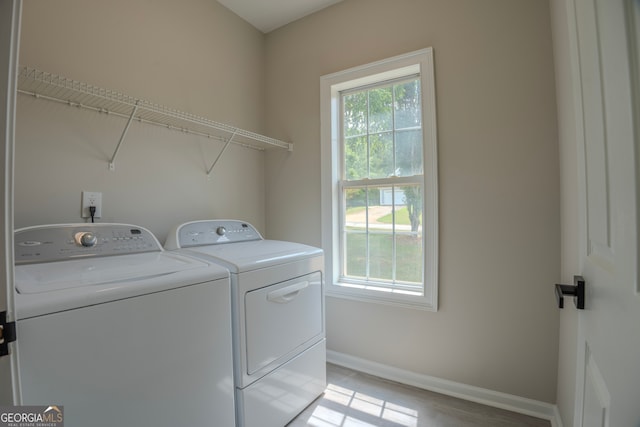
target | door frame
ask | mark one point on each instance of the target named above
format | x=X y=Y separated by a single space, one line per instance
x=10 y=14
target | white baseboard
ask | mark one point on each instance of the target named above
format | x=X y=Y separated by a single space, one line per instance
x=484 y=396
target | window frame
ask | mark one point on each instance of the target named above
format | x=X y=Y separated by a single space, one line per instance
x=419 y=62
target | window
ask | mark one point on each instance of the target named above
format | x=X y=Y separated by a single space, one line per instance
x=379 y=182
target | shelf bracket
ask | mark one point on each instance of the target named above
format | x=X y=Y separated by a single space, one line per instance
x=221 y=152
x=112 y=164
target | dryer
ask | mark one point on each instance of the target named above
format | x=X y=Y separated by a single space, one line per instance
x=120 y=332
x=278 y=316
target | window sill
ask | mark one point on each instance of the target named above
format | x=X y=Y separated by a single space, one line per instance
x=389 y=298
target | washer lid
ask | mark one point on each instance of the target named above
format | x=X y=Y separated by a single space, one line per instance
x=53 y=276
x=246 y=256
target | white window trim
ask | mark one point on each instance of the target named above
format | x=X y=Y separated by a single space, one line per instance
x=420 y=61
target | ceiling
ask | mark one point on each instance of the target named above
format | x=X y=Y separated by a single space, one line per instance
x=267 y=15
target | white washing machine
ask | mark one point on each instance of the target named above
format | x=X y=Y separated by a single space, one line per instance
x=278 y=316
x=119 y=331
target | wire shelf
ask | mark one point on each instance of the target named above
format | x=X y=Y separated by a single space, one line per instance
x=78 y=94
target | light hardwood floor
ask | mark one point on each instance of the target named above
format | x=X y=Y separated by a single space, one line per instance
x=356 y=399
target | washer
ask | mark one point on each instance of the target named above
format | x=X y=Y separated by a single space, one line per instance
x=119 y=331
x=278 y=316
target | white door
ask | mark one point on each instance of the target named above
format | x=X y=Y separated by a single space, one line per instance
x=9 y=35
x=608 y=365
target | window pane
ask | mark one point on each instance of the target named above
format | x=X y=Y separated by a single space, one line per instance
x=355 y=114
x=380 y=109
x=355 y=153
x=409 y=153
x=355 y=254
x=355 y=238
x=411 y=213
x=408 y=237
x=381 y=155
x=356 y=208
x=381 y=255
x=409 y=247
x=380 y=237
x=409 y=257
x=407 y=106
x=406 y=219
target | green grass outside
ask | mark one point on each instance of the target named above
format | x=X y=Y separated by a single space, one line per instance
x=402 y=217
x=357 y=209
x=408 y=256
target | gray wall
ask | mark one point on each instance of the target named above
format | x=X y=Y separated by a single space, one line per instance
x=497 y=326
x=199 y=58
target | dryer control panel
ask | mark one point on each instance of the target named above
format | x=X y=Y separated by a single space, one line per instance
x=211 y=232
x=48 y=243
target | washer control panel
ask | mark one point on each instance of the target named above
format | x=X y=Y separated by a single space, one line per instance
x=67 y=241
x=214 y=232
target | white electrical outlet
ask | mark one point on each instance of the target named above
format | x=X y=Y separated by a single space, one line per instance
x=91 y=198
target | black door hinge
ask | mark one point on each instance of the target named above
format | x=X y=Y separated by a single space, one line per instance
x=7 y=333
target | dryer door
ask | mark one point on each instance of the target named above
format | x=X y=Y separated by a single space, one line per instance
x=282 y=319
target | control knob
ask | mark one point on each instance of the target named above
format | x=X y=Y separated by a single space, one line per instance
x=86 y=239
x=221 y=231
